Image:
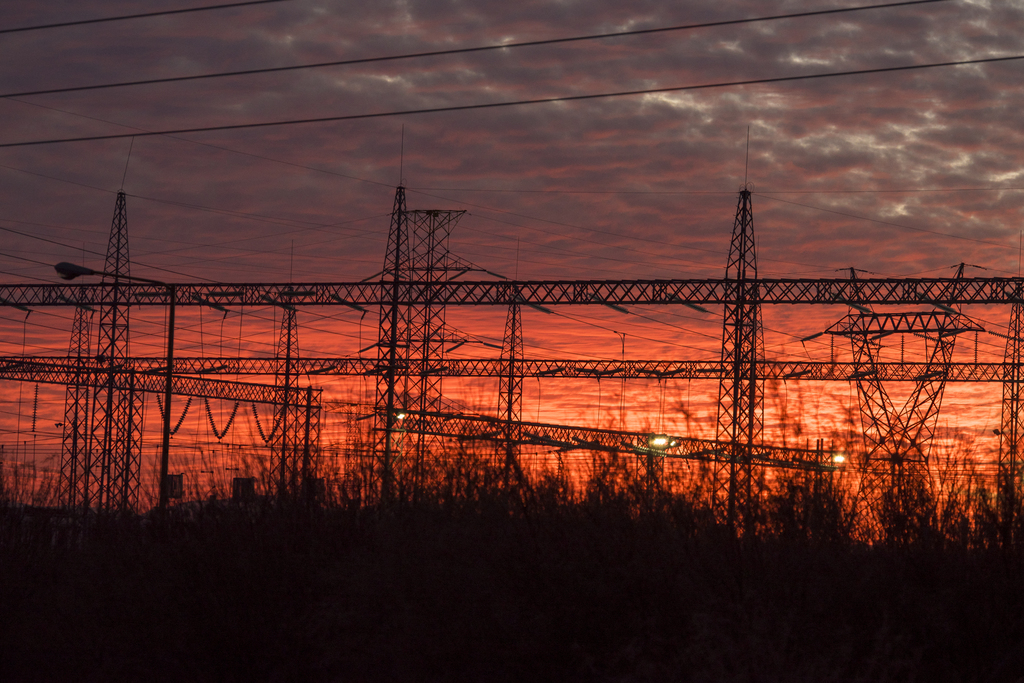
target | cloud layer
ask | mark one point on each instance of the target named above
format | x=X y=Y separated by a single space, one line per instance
x=898 y=174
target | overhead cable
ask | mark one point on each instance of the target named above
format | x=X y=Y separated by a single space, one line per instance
x=517 y=103
x=456 y=51
x=143 y=15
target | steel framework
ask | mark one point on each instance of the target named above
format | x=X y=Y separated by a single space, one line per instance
x=811 y=371
x=773 y=291
x=567 y=438
x=510 y=390
x=1011 y=430
x=894 y=480
x=393 y=333
x=431 y=263
x=412 y=294
x=110 y=466
x=68 y=371
x=741 y=390
x=71 y=491
x=291 y=442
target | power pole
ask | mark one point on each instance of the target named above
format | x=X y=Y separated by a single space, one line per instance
x=741 y=390
x=289 y=441
x=1011 y=428
x=75 y=441
x=430 y=263
x=393 y=334
x=113 y=458
x=510 y=390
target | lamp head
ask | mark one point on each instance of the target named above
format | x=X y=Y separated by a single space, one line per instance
x=69 y=271
x=661 y=441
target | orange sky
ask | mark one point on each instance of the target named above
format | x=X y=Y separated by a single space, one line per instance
x=901 y=175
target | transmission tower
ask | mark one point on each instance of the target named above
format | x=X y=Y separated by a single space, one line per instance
x=1012 y=427
x=510 y=390
x=71 y=491
x=411 y=338
x=110 y=479
x=894 y=479
x=291 y=446
x=392 y=349
x=741 y=390
x=430 y=264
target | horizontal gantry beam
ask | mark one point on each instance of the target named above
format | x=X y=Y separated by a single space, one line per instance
x=490 y=367
x=68 y=372
x=567 y=438
x=917 y=291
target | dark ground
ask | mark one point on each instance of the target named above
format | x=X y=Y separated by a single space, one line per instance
x=493 y=589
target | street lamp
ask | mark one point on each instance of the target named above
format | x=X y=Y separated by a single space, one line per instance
x=69 y=271
x=661 y=441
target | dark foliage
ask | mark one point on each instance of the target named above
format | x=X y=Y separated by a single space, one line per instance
x=477 y=579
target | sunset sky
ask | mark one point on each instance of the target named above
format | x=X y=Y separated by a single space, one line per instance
x=900 y=174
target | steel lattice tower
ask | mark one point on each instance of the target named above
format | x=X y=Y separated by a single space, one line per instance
x=430 y=263
x=1012 y=427
x=895 y=469
x=71 y=491
x=411 y=338
x=392 y=349
x=895 y=475
x=741 y=390
x=111 y=469
x=510 y=389
x=288 y=444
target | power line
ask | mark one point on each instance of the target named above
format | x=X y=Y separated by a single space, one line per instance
x=516 y=103
x=710 y=192
x=515 y=191
x=457 y=51
x=902 y=190
x=201 y=144
x=143 y=15
x=426 y=191
x=96 y=253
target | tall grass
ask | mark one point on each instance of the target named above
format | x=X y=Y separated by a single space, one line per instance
x=473 y=574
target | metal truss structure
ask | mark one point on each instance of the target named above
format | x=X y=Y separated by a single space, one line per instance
x=741 y=389
x=302 y=407
x=432 y=263
x=392 y=336
x=894 y=478
x=567 y=438
x=108 y=468
x=411 y=339
x=771 y=291
x=69 y=371
x=1011 y=432
x=416 y=286
x=510 y=389
x=808 y=371
x=71 y=491
x=298 y=435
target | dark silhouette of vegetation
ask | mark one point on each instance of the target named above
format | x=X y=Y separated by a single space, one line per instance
x=481 y=577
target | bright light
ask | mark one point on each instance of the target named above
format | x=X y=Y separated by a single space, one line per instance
x=658 y=441
x=400 y=416
x=839 y=458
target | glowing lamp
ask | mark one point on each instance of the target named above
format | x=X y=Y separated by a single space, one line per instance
x=659 y=441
